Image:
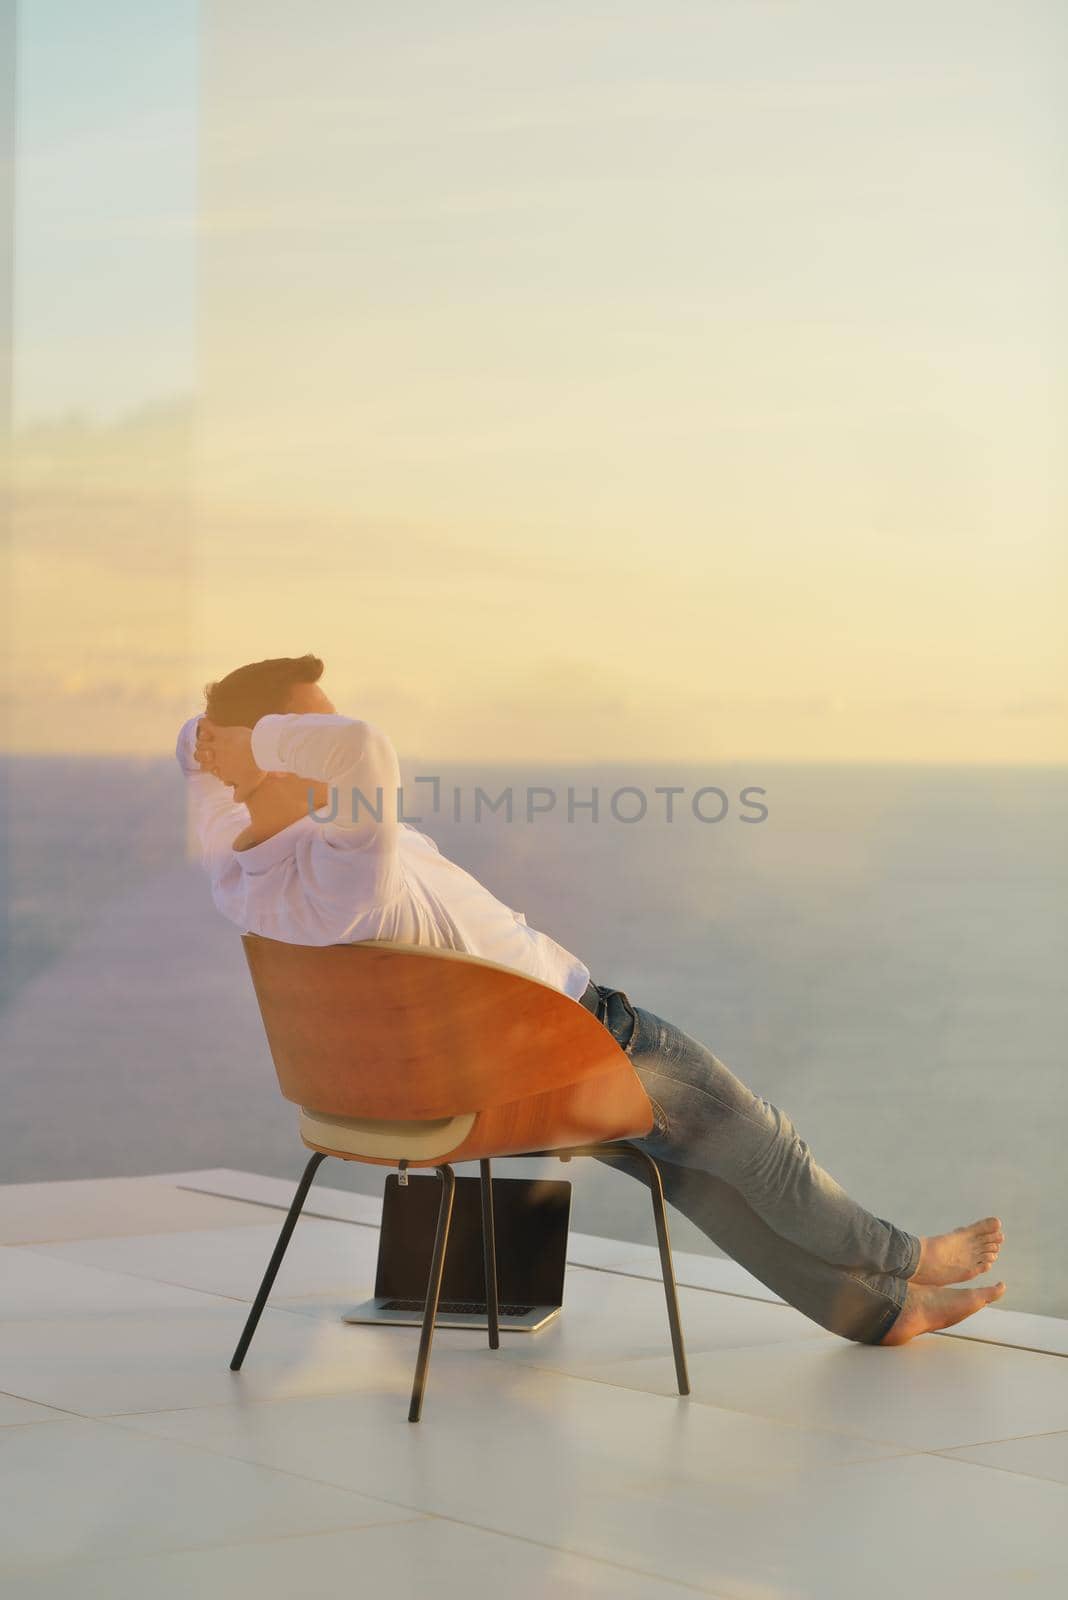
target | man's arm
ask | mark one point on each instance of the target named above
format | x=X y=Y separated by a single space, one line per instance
x=217 y=818
x=347 y=755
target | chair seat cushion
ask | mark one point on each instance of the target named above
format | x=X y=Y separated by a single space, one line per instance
x=392 y=1141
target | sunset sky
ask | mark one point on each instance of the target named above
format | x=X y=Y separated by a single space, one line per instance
x=581 y=380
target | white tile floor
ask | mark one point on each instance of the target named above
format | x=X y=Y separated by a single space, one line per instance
x=133 y=1462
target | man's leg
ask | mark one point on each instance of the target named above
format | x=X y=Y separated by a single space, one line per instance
x=711 y=1124
x=858 y=1306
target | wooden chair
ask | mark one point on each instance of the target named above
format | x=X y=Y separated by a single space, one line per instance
x=405 y=1056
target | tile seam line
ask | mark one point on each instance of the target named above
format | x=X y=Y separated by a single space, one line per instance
x=197 y=1449
x=419 y=1515
x=76 y=1563
x=1009 y=1438
x=132 y=1277
x=269 y=1205
x=8 y=1394
x=947 y=1453
x=583 y=1555
x=889 y=1447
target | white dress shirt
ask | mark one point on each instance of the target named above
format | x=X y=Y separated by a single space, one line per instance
x=356 y=877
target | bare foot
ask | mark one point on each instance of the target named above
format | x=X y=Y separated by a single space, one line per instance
x=926 y=1309
x=960 y=1255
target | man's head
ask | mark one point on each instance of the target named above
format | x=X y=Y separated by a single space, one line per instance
x=284 y=683
x=237 y=702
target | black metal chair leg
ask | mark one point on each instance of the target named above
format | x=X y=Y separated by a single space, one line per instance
x=433 y=1292
x=616 y=1151
x=276 y=1260
x=489 y=1255
x=667 y=1267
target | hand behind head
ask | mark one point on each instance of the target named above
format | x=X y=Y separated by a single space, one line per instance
x=226 y=752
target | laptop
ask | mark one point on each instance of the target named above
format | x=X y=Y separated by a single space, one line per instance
x=531 y=1218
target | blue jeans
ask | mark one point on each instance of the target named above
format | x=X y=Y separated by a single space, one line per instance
x=737 y=1167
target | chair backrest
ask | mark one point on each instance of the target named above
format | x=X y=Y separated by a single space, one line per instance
x=402 y=1031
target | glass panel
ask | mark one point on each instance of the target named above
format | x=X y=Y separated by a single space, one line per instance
x=616 y=400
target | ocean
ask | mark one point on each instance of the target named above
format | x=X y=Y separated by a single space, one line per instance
x=883 y=956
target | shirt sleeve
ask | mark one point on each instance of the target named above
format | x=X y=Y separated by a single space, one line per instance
x=359 y=765
x=215 y=816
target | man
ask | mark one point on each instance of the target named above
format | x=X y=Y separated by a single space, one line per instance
x=732 y=1162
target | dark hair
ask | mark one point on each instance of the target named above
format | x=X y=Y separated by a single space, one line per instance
x=248 y=693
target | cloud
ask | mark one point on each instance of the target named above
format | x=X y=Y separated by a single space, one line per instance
x=1036 y=705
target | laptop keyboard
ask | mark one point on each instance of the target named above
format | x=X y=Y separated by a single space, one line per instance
x=473 y=1308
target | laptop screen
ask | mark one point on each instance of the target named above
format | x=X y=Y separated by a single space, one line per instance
x=530 y=1217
